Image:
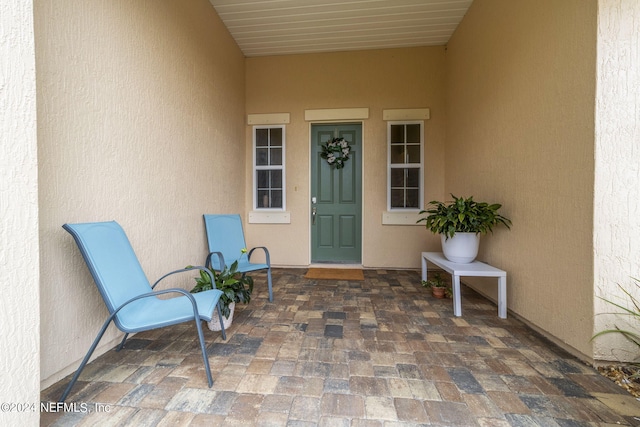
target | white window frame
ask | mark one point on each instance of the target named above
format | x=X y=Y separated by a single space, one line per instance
x=420 y=165
x=281 y=167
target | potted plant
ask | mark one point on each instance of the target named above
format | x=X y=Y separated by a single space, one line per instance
x=439 y=288
x=235 y=287
x=460 y=223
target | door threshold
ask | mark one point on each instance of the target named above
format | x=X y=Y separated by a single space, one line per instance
x=335 y=265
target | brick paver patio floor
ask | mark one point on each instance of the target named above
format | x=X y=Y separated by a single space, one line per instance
x=378 y=352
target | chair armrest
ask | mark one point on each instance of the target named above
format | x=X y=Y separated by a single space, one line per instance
x=156 y=293
x=182 y=270
x=266 y=254
x=207 y=263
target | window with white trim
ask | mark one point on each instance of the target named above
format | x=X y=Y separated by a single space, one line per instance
x=268 y=167
x=405 y=165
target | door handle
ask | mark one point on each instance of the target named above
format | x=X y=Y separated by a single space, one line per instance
x=314 y=211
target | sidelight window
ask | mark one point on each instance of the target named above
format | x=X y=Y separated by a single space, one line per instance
x=268 y=167
x=405 y=165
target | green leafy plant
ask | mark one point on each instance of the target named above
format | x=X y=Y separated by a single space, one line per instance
x=437 y=282
x=462 y=215
x=634 y=312
x=236 y=287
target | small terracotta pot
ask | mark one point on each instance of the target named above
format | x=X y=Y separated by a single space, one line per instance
x=438 y=292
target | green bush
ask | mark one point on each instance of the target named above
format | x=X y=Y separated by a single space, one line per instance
x=462 y=215
x=236 y=287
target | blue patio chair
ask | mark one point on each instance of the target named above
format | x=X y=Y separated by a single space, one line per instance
x=132 y=303
x=227 y=244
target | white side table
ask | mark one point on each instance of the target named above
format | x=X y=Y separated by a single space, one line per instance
x=472 y=269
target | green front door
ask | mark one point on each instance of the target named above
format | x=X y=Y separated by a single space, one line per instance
x=336 y=197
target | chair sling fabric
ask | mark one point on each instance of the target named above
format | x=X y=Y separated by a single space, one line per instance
x=226 y=243
x=132 y=303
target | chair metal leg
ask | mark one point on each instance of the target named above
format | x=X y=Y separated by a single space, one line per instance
x=85 y=360
x=269 y=283
x=224 y=333
x=205 y=358
x=121 y=346
x=103 y=330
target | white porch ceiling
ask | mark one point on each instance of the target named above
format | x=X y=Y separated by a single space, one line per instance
x=282 y=27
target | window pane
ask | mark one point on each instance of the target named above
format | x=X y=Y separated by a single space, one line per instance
x=413 y=134
x=397 y=177
x=276 y=156
x=397 y=154
x=397 y=134
x=276 y=199
x=413 y=152
x=262 y=178
x=276 y=179
x=262 y=156
x=263 y=199
x=397 y=198
x=276 y=137
x=413 y=177
x=412 y=198
x=262 y=137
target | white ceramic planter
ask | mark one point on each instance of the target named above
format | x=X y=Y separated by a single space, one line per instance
x=214 y=324
x=461 y=248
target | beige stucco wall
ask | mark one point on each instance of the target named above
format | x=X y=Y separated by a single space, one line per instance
x=141 y=112
x=617 y=173
x=19 y=259
x=141 y=119
x=520 y=131
x=377 y=80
